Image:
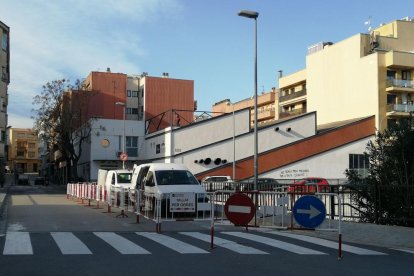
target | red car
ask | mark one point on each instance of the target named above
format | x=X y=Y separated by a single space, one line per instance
x=309 y=185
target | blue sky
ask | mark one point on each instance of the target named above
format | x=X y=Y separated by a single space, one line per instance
x=204 y=41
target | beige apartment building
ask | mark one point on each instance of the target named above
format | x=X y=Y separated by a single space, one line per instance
x=4 y=82
x=23 y=151
x=363 y=75
x=267 y=110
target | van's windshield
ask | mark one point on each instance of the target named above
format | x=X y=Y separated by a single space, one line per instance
x=124 y=177
x=175 y=177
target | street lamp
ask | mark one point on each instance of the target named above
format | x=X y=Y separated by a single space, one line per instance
x=123 y=139
x=234 y=143
x=254 y=15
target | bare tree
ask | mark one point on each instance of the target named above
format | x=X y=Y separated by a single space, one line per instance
x=62 y=120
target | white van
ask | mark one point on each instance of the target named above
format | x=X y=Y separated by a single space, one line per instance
x=164 y=179
x=114 y=178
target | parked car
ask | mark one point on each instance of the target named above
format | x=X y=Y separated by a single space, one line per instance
x=23 y=179
x=309 y=185
x=218 y=182
x=40 y=180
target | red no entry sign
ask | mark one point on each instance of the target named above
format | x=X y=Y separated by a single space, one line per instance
x=239 y=209
x=123 y=156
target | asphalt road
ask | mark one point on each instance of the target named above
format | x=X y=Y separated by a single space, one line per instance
x=47 y=234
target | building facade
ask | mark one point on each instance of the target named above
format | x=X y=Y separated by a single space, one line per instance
x=267 y=107
x=4 y=82
x=23 y=151
x=363 y=75
x=148 y=104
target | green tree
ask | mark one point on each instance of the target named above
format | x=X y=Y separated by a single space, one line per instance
x=61 y=120
x=387 y=194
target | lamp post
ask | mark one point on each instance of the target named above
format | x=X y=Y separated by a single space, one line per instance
x=254 y=15
x=234 y=142
x=123 y=137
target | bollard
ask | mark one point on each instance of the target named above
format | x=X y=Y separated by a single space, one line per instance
x=340 y=247
x=212 y=238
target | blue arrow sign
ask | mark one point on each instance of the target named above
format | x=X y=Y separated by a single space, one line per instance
x=309 y=211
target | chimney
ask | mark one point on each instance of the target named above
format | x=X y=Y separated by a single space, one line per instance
x=165 y=75
x=108 y=70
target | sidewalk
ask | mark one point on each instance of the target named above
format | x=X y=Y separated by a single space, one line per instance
x=367 y=233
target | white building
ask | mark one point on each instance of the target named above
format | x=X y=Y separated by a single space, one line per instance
x=287 y=149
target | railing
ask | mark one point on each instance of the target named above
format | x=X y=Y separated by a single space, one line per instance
x=353 y=206
x=400 y=83
x=400 y=107
x=382 y=204
x=292 y=95
x=292 y=112
x=176 y=118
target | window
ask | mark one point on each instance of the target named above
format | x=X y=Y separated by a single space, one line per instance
x=390 y=74
x=359 y=163
x=175 y=177
x=131 y=110
x=128 y=93
x=124 y=177
x=406 y=75
x=391 y=99
x=3 y=73
x=131 y=146
x=32 y=145
x=31 y=154
x=4 y=41
x=134 y=94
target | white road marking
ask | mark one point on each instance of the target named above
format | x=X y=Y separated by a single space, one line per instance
x=406 y=250
x=276 y=243
x=238 y=248
x=69 y=244
x=18 y=243
x=123 y=245
x=326 y=243
x=174 y=244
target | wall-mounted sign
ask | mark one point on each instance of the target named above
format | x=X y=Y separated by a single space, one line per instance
x=105 y=143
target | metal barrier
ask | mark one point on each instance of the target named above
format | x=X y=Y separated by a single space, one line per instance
x=173 y=206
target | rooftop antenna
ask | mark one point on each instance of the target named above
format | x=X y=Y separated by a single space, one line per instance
x=368 y=23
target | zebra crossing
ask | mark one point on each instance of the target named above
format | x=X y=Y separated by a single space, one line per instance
x=247 y=243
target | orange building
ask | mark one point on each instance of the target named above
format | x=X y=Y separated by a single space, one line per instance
x=167 y=102
x=160 y=101
x=109 y=88
x=266 y=107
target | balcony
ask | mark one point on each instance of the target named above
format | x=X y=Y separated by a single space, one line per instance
x=292 y=113
x=399 y=109
x=266 y=114
x=400 y=86
x=292 y=96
